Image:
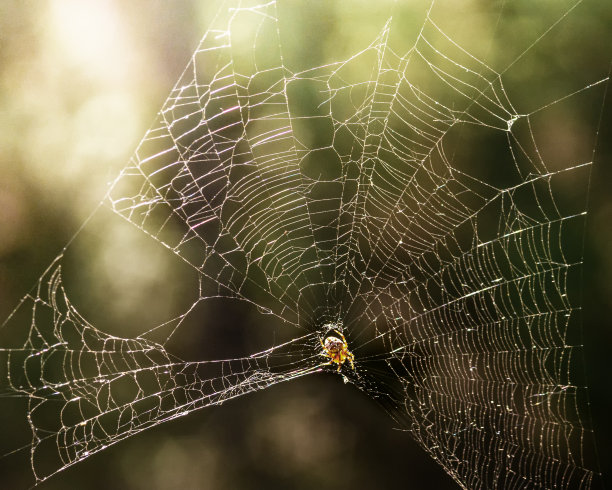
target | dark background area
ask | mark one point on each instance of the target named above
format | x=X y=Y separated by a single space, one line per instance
x=80 y=83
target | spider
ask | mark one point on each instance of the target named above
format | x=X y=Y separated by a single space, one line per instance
x=336 y=349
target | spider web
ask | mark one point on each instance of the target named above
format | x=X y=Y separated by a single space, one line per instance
x=450 y=274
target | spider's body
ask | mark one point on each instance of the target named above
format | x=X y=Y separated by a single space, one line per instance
x=336 y=349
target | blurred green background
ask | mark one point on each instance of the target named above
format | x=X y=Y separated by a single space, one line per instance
x=79 y=85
